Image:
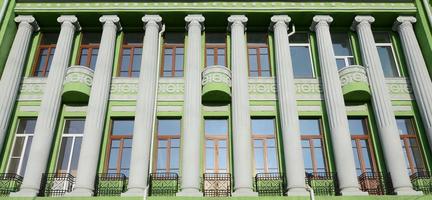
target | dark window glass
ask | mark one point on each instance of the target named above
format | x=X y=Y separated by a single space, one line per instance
x=301 y=56
x=89 y=49
x=215 y=49
x=411 y=148
x=45 y=54
x=131 y=55
x=362 y=146
x=168 y=146
x=173 y=55
x=385 y=52
x=21 y=147
x=259 y=60
x=342 y=50
x=265 y=148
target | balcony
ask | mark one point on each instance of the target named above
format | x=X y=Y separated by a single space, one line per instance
x=355 y=85
x=270 y=184
x=9 y=182
x=163 y=184
x=376 y=183
x=323 y=183
x=422 y=181
x=216 y=184
x=77 y=84
x=110 y=184
x=216 y=83
x=56 y=184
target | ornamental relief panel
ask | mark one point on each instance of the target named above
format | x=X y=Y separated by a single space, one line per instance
x=31 y=89
x=399 y=89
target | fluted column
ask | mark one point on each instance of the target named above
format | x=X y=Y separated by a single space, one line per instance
x=97 y=108
x=382 y=106
x=419 y=76
x=335 y=106
x=145 y=108
x=242 y=141
x=49 y=108
x=10 y=81
x=192 y=118
x=288 y=108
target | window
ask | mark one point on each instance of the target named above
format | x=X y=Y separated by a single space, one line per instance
x=131 y=53
x=258 y=51
x=301 y=55
x=386 y=54
x=410 y=146
x=70 y=146
x=168 y=145
x=45 y=54
x=216 y=146
x=173 y=55
x=215 y=49
x=21 y=147
x=313 y=145
x=89 y=49
x=120 y=146
x=362 y=146
x=264 y=143
x=342 y=50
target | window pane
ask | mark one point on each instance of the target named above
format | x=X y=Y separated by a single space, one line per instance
x=272 y=158
x=382 y=37
x=174 y=37
x=222 y=155
x=83 y=60
x=263 y=126
x=307 y=154
x=216 y=127
x=26 y=126
x=259 y=156
x=75 y=156
x=341 y=44
x=340 y=62
x=299 y=38
x=256 y=38
x=310 y=127
x=416 y=154
x=356 y=127
x=301 y=62
x=405 y=127
x=217 y=38
x=387 y=61
x=49 y=38
x=168 y=127
x=209 y=155
x=122 y=127
x=26 y=154
x=356 y=157
x=91 y=38
x=133 y=38
x=18 y=147
x=74 y=127
x=65 y=152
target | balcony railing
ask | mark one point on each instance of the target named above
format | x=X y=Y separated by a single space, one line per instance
x=216 y=184
x=56 y=184
x=163 y=184
x=9 y=182
x=376 y=183
x=270 y=184
x=422 y=181
x=110 y=184
x=323 y=183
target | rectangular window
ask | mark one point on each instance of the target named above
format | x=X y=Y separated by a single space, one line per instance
x=120 y=146
x=265 y=147
x=412 y=152
x=362 y=146
x=386 y=54
x=173 y=55
x=45 y=54
x=89 y=49
x=21 y=147
x=301 y=55
x=70 y=146
x=342 y=50
x=216 y=146
x=215 y=49
x=258 y=52
x=313 y=145
x=131 y=54
x=168 y=145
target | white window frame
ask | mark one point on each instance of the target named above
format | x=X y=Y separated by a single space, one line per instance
x=345 y=58
x=310 y=54
x=26 y=138
x=389 y=44
x=74 y=136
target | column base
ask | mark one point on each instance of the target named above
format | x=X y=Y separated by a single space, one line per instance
x=407 y=191
x=135 y=192
x=353 y=192
x=25 y=192
x=189 y=192
x=244 y=192
x=297 y=192
x=80 y=192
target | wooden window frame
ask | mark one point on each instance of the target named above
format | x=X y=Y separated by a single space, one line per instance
x=216 y=47
x=257 y=47
x=405 y=139
x=45 y=67
x=264 y=138
x=167 y=138
x=112 y=137
x=132 y=48
x=172 y=46
x=310 y=139
x=90 y=48
x=357 y=139
x=215 y=139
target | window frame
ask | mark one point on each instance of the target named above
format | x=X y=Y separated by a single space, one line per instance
x=46 y=66
x=112 y=137
x=405 y=139
x=263 y=139
x=89 y=47
x=215 y=47
x=310 y=138
x=257 y=47
x=389 y=44
x=216 y=139
x=132 y=47
x=368 y=138
x=308 y=45
x=350 y=47
x=173 y=46
x=167 y=138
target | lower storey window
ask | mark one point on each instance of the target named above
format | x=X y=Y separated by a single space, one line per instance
x=120 y=146
x=70 y=146
x=168 y=145
x=312 y=145
x=264 y=143
x=21 y=147
x=362 y=146
x=410 y=146
x=216 y=146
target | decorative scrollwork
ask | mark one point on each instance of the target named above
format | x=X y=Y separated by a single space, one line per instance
x=163 y=184
x=56 y=184
x=79 y=74
x=110 y=184
x=376 y=183
x=270 y=184
x=9 y=182
x=422 y=181
x=323 y=183
x=216 y=184
x=351 y=74
x=216 y=74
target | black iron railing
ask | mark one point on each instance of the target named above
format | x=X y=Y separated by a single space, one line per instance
x=163 y=184
x=56 y=184
x=110 y=184
x=270 y=184
x=323 y=183
x=422 y=181
x=9 y=182
x=376 y=183
x=216 y=184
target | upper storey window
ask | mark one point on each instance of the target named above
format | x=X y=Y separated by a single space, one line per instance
x=342 y=50
x=89 y=49
x=386 y=54
x=131 y=54
x=258 y=51
x=301 y=55
x=45 y=54
x=215 y=49
x=173 y=55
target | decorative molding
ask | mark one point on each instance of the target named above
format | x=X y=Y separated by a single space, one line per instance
x=79 y=74
x=357 y=108
x=262 y=88
x=32 y=88
x=124 y=88
x=170 y=108
x=352 y=74
x=75 y=108
x=308 y=89
x=309 y=108
x=216 y=108
x=29 y=108
x=123 y=108
x=262 y=108
x=402 y=108
x=399 y=89
x=216 y=74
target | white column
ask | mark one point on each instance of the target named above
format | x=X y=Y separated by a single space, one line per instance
x=192 y=119
x=97 y=108
x=383 y=110
x=288 y=108
x=419 y=76
x=145 y=105
x=49 y=108
x=242 y=141
x=335 y=106
x=10 y=80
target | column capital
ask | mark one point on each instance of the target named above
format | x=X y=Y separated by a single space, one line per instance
x=152 y=20
x=72 y=19
x=111 y=19
x=362 y=19
x=28 y=19
x=279 y=20
x=195 y=20
x=403 y=21
x=319 y=20
x=237 y=20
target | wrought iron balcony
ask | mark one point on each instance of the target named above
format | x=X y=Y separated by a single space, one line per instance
x=422 y=181
x=110 y=184
x=163 y=184
x=323 y=183
x=9 y=182
x=376 y=183
x=56 y=184
x=216 y=184
x=270 y=184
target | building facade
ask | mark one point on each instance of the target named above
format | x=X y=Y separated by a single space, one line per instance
x=215 y=98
